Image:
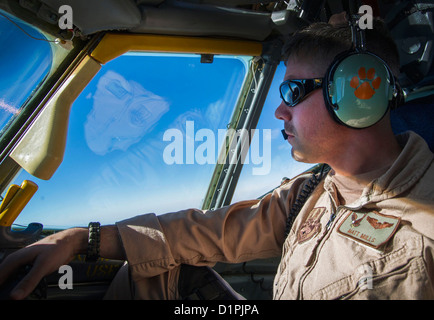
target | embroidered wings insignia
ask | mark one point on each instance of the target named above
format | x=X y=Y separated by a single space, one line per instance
x=354 y=221
x=378 y=225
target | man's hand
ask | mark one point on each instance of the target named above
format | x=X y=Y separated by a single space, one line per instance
x=45 y=256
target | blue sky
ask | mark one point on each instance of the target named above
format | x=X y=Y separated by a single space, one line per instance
x=113 y=162
x=18 y=67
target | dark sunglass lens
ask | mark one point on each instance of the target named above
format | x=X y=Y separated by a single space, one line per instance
x=295 y=92
x=291 y=92
x=287 y=93
x=284 y=93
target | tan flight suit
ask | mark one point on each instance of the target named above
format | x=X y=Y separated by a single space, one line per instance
x=353 y=239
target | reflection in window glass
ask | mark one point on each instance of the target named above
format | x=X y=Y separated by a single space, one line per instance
x=276 y=161
x=127 y=128
x=24 y=62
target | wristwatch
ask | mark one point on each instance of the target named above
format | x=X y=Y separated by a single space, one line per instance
x=93 y=242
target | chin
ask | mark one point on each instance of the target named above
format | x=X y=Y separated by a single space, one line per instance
x=297 y=156
x=301 y=157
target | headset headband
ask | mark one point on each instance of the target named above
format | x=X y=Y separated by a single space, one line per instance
x=357 y=34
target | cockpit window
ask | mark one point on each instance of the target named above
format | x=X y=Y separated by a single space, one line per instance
x=143 y=137
x=25 y=60
x=274 y=161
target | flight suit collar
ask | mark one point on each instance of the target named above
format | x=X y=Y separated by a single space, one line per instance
x=407 y=169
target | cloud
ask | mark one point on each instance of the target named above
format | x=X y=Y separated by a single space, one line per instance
x=8 y=108
x=123 y=113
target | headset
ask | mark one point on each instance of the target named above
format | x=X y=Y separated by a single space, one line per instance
x=358 y=86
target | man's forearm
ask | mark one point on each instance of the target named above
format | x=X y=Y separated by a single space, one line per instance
x=55 y=250
x=111 y=244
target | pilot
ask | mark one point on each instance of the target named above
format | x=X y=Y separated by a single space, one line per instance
x=359 y=228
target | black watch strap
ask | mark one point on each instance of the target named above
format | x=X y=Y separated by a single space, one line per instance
x=93 y=242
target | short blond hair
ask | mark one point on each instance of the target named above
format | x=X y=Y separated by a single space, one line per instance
x=320 y=42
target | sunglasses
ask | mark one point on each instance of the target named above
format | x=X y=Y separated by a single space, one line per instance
x=295 y=90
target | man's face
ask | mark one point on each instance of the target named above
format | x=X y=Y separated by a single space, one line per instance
x=312 y=132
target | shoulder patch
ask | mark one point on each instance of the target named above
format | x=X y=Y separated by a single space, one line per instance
x=311 y=226
x=370 y=228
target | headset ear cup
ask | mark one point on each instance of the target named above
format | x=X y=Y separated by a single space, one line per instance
x=358 y=89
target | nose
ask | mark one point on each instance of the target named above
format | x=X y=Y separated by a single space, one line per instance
x=283 y=112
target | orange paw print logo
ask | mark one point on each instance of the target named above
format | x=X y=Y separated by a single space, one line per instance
x=365 y=83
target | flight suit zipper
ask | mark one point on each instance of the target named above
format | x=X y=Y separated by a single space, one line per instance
x=336 y=212
x=330 y=222
x=311 y=262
